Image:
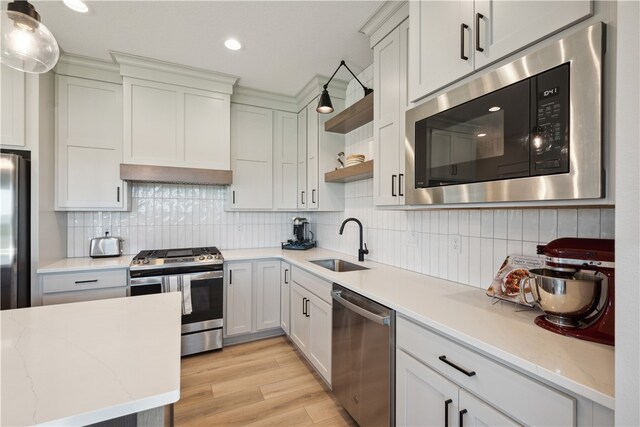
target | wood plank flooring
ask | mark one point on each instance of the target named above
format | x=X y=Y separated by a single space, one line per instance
x=261 y=383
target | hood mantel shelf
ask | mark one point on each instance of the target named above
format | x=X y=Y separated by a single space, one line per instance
x=353 y=117
x=175 y=175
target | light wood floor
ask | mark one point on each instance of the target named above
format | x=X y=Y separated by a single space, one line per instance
x=263 y=383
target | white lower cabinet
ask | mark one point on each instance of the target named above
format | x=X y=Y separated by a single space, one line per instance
x=285 y=296
x=61 y=288
x=252 y=297
x=432 y=370
x=311 y=320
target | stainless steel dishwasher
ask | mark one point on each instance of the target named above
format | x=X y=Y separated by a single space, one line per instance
x=363 y=358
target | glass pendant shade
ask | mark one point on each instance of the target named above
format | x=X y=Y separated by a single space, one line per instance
x=27 y=45
x=324 y=104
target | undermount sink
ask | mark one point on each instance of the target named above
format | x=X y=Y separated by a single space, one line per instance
x=338 y=265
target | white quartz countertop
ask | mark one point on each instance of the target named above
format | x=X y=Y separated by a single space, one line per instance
x=82 y=363
x=86 y=263
x=461 y=312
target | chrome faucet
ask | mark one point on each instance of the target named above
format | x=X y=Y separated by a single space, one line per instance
x=363 y=250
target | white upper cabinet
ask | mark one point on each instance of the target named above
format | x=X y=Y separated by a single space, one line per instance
x=302 y=160
x=322 y=148
x=88 y=145
x=252 y=158
x=451 y=39
x=12 y=131
x=285 y=160
x=174 y=115
x=170 y=125
x=504 y=27
x=390 y=103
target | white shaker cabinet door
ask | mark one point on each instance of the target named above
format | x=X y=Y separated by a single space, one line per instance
x=302 y=160
x=267 y=294
x=312 y=156
x=285 y=297
x=320 y=320
x=285 y=160
x=206 y=129
x=423 y=397
x=251 y=158
x=441 y=49
x=89 y=145
x=13 y=107
x=299 y=320
x=504 y=27
x=238 y=315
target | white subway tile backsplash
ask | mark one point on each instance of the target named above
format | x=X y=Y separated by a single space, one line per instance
x=514 y=224
x=500 y=224
x=607 y=226
x=589 y=223
x=530 y=225
x=567 y=222
x=548 y=225
x=475 y=222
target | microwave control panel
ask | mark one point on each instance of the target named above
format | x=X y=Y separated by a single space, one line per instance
x=550 y=122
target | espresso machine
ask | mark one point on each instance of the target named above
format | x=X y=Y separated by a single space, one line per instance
x=576 y=289
x=302 y=236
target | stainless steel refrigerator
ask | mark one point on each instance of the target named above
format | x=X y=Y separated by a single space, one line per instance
x=15 y=219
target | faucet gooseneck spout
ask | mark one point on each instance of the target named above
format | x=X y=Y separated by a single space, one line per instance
x=363 y=246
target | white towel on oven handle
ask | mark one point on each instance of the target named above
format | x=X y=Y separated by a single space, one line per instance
x=174 y=286
x=186 y=294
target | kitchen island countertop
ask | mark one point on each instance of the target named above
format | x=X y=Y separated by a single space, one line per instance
x=86 y=362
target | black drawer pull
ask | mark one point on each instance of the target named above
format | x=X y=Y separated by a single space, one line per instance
x=453 y=365
x=393 y=185
x=479 y=16
x=302 y=197
x=313 y=196
x=304 y=306
x=464 y=411
x=446 y=412
x=286 y=281
x=307 y=313
x=463 y=27
x=400 y=179
x=86 y=281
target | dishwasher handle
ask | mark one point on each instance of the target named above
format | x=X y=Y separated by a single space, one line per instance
x=381 y=320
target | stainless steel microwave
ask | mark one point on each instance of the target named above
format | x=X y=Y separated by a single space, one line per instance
x=528 y=130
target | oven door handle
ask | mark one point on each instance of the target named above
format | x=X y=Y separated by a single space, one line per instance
x=141 y=281
x=206 y=275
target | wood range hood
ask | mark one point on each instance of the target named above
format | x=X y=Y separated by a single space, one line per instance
x=175 y=175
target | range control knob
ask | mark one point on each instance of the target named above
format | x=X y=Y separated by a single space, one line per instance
x=136 y=261
x=200 y=257
x=217 y=256
x=146 y=261
x=209 y=257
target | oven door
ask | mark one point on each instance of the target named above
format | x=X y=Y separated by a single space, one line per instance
x=206 y=302
x=146 y=286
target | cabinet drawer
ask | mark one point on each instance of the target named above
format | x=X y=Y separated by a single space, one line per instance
x=85 y=295
x=523 y=398
x=83 y=280
x=312 y=283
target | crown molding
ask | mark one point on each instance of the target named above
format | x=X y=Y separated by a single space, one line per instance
x=88 y=68
x=261 y=98
x=167 y=72
x=384 y=20
x=337 y=89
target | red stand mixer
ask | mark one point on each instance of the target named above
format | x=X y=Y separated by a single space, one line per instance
x=576 y=289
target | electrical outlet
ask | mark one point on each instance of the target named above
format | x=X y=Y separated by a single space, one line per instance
x=239 y=228
x=454 y=244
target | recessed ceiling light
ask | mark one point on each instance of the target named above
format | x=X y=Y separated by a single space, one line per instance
x=232 y=44
x=480 y=135
x=494 y=109
x=77 y=6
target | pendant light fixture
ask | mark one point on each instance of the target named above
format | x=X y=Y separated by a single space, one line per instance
x=324 y=104
x=27 y=45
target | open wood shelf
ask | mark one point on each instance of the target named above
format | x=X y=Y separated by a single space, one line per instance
x=352 y=117
x=357 y=172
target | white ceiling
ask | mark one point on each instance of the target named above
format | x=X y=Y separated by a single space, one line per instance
x=285 y=43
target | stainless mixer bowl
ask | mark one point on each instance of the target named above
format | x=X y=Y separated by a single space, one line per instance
x=566 y=298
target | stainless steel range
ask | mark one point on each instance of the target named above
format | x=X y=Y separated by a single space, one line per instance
x=198 y=274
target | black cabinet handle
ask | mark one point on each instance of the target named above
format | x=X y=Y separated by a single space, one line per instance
x=461 y=422
x=400 y=193
x=286 y=281
x=307 y=313
x=453 y=365
x=118 y=194
x=446 y=412
x=302 y=197
x=393 y=185
x=462 y=28
x=231 y=277
x=479 y=16
x=233 y=196
x=86 y=281
x=313 y=195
